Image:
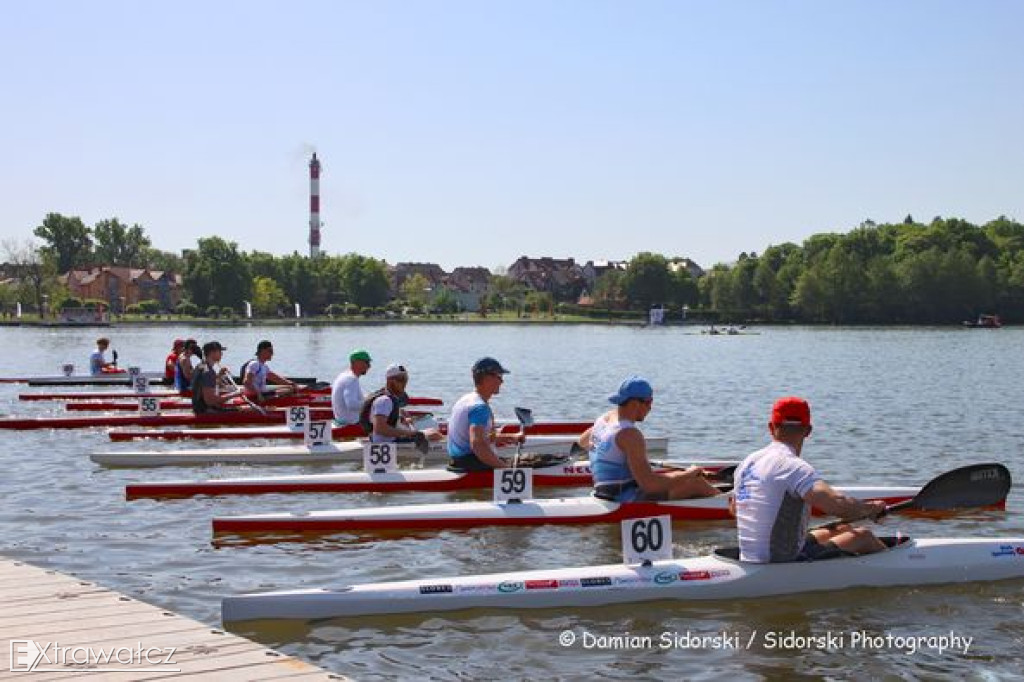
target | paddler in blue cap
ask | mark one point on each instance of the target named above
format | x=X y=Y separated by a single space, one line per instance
x=471 y=437
x=618 y=453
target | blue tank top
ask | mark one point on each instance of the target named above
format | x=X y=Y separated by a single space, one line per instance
x=607 y=460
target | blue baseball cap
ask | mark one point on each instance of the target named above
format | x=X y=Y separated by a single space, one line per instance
x=632 y=387
x=488 y=366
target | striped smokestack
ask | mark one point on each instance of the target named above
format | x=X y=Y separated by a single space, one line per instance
x=314 y=207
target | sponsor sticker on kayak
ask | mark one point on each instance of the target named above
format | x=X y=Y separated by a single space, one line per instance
x=581 y=469
x=542 y=584
x=569 y=583
x=509 y=587
x=1009 y=550
x=435 y=589
x=601 y=581
x=667 y=577
x=485 y=588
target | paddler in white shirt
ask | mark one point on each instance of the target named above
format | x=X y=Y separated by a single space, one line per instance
x=346 y=393
x=775 y=491
x=257 y=374
x=381 y=417
x=618 y=453
x=471 y=434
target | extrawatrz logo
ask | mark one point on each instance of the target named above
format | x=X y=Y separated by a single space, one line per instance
x=31 y=656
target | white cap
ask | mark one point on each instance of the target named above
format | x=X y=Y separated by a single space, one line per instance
x=395 y=371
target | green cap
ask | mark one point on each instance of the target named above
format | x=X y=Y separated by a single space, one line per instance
x=359 y=354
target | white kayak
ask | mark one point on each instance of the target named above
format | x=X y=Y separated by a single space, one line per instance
x=716 y=576
x=329 y=453
x=570 y=510
x=548 y=470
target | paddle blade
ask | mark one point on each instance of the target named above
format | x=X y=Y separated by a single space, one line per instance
x=977 y=485
x=524 y=415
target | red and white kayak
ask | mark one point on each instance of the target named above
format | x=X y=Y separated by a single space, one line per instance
x=330 y=453
x=250 y=416
x=542 y=428
x=565 y=473
x=119 y=378
x=100 y=395
x=179 y=403
x=570 y=510
x=714 y=576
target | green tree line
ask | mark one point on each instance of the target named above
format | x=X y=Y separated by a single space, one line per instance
x=942 y=272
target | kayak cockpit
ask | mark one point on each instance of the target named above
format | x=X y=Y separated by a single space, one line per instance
x=890 y=541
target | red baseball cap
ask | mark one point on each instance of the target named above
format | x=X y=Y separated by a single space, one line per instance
x=791 y=410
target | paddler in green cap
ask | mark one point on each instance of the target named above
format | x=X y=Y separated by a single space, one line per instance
x=346 y=393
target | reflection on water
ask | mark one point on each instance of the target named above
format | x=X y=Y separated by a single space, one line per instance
x=891 y=407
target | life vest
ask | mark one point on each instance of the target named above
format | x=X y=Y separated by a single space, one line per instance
x=397 y=403
x=199 y=405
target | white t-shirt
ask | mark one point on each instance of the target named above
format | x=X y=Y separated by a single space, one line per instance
x=771 y=515
x=259 y=371
x=346 y=397
x=382 y=405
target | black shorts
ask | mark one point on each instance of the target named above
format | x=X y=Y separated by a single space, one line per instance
x=465 y=463
x=815 y=551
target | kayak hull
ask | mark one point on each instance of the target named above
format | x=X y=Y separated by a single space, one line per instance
x=330 y=453
x=545 y=428
x=177 y=403
x=567 y=474
x=272 y=416
x=711 y=577
x=563 y=511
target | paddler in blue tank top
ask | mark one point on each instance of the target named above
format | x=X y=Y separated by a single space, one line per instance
x=618 y=453
x=471 y=436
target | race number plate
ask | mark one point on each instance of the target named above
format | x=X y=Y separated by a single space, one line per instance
x=646 y=540
x=513 y=485
x=149 y=406
x=298 y=416
x=317 y=434
x=380 y=458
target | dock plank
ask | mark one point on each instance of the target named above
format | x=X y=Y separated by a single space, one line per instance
x=45 y=606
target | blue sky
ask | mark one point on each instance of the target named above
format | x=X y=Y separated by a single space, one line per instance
x=469 y=133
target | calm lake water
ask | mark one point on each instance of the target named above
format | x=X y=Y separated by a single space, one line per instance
x=891 y=406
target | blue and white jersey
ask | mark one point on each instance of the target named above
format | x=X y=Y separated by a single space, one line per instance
x=771 y=514
x=469 y=410
x=607 y=460
x=96 y=362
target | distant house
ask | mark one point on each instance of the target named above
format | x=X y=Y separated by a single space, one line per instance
x=696 y=271
x=398 y=273
x=469 y=286
x=562 y=278
x=593 y=270
x=122 y=286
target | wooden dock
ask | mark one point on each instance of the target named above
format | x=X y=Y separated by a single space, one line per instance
x=39 y=607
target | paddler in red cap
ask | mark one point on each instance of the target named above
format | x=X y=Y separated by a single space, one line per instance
x=171 y=363
x=775 y=491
